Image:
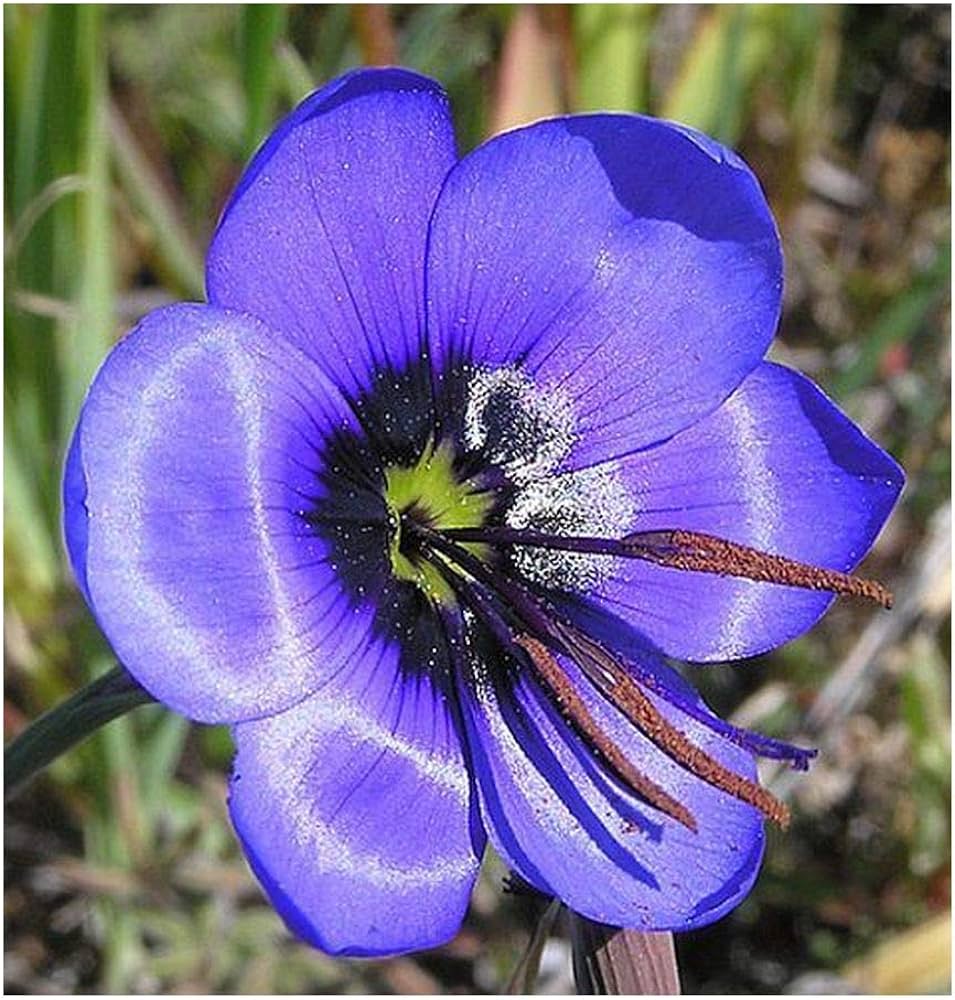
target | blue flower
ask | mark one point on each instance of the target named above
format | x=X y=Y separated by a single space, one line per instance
x=456 y=453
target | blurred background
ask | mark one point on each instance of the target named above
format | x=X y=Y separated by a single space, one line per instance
x=126 y=127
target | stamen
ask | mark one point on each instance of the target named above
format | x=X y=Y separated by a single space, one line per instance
x=609 y=677
x=682 y=696
x=569 y=702
x=692 y=551
x=614 y=681
x=574 y=709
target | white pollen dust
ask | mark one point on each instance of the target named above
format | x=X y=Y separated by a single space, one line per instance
x=528 y=431
x=592 y=502
x=523 y=429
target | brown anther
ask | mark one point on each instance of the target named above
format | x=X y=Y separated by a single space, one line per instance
x=640 y=710
x=702 y=553
x=572 y=706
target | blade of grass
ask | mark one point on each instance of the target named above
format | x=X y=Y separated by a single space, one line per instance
x=26 y=45
x=112 y=694
x=179 y=259
x=296 y=78
x=122 y=951
x=34 y=45
x=159 y=754
x=260 y=27
x=613 y=45
x=731 y=46
x=83 y=343
x=38 y=207
x=32 y=556
x=111 y=830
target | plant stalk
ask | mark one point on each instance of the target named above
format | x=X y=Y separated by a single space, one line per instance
x=69 y=723
x=615 y=961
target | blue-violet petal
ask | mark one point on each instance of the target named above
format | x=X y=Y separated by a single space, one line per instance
x=356 y=811
x=627 y=263
x=191 y=474
x=324 y=237
x=777 y=467
x=571 y=830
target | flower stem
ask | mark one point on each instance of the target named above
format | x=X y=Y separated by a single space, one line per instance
x=70 y=722
x=614 y=961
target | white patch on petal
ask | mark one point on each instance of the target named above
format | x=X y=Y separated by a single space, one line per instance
x=593 y=502
x=324 y=835
x=528 y=431
x=523 y=428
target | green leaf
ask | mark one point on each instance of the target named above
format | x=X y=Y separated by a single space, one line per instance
x=613 y=45
x=109 y=696
x=260 y=27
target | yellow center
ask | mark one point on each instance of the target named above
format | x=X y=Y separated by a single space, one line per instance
x=431 y=494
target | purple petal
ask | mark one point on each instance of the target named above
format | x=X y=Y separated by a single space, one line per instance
x=777 y=467
x=355 y=810
x=189 y=477
x=75 y=514
x=558 y=819
x=324 y=238
x=629 y=264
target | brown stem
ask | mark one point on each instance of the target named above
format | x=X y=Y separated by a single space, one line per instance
x=613 y=961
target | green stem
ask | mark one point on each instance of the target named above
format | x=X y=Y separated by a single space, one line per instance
x=70 y=722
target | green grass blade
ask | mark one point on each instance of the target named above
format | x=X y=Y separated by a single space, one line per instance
x=179 y=259
x=31 y=552
x=732 y=45
x=158 y=757
x=296 y=79
x=111 y=695
x=613 y=46
x=260 y=27
x=44 y=128
x=85 y=341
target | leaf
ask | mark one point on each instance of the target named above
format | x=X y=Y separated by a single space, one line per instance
x=260 y=27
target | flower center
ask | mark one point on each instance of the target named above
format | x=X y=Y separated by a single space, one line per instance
x=453 y=512
x=430 y=494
